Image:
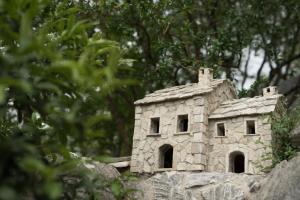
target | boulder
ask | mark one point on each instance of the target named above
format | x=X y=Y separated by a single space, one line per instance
x=282 y=183
x=196 y=185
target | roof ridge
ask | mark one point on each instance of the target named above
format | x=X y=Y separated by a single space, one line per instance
x=246 y=106
x=178 y=92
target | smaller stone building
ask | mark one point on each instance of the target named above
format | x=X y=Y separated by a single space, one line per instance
x=203 y=127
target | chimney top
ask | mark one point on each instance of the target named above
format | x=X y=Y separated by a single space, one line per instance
x=205 y=76
x=269 y=91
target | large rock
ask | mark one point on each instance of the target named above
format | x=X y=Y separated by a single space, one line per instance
x=295 y=136
x=94 y=172
x=195 y=185
x=283 y=183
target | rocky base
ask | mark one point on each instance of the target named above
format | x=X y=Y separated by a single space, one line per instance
x=195 y=185
x=282 y=183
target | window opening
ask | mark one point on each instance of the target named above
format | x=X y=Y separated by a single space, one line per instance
x=183 y=123
x=220 y=129
x=154 y=125
x=251 y=127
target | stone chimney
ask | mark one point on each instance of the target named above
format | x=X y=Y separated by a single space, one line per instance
x=205 y=77
x=269 y=91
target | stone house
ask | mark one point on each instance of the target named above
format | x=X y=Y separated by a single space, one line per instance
x=203 y=127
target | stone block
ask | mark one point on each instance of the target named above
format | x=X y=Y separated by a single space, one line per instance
x=163 y=109
x=149 y=113
x=137 y=116
x=147 y=167
x=198 y=110
x=189 y=102
x=267 y=137
x=197 y=147
x=200 y=159
x=137 y=123
x=199 y=101
x=198 y=118
x=189 y=159
x=138 y=110
x=134 y=168
x=136 y=135
x=181 y=166
x=196 y=167
x=197 y=127
x=199 y=137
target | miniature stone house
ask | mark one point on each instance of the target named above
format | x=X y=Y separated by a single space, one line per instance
x=203 y=127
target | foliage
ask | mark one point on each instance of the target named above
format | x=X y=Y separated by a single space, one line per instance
x=64 y=88
x=56 y=76
x=254 y=88
x=170 y=40
x=281 y=129
x=281 y=147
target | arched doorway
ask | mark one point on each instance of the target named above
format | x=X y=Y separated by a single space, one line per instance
x=237 y=162
x=166 y=156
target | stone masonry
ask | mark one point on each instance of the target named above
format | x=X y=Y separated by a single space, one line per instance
x=202 y=127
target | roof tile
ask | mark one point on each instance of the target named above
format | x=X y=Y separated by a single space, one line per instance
x=246 y=106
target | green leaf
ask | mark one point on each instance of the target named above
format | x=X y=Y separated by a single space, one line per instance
x=53 y=190
x=7 y=193
x=116 y=188
x=2 y=94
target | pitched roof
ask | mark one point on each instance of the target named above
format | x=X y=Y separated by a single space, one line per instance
x=246 y=106
x=178 y=92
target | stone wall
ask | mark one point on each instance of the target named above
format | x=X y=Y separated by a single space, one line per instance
x=236 y=139
x=145 y=153
x=189 y=148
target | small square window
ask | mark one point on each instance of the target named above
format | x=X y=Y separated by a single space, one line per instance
x=220 y=129
x=183 y=123
x=154 y=128
x=250 y=127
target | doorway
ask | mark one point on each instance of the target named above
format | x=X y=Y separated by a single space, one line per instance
x=166 y=156
x=237 y=162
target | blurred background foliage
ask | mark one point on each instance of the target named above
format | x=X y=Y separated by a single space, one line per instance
x=169 y=40
x=56 y=77
x=71 y=70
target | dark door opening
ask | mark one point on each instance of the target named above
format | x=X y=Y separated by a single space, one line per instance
x=237 y=162
x=166 y=156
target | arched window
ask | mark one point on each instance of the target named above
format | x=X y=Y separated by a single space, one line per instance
x=236 y=162
x=166 y=156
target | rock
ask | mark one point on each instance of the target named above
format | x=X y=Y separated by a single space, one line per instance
x=295 y=136
x=93 y=170
x=223 y=191
x=196 y=185
x=254 y=187
x=282 y=183
x=120 y=164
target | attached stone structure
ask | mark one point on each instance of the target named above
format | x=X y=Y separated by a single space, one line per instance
x=203 y=127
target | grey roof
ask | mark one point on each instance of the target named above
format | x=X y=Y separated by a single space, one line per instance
x=178 y=92
x=246 y=106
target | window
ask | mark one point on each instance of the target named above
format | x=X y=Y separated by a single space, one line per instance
x=220 y=129
x=183 y=123
x=250 y=127
x=154 y=128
